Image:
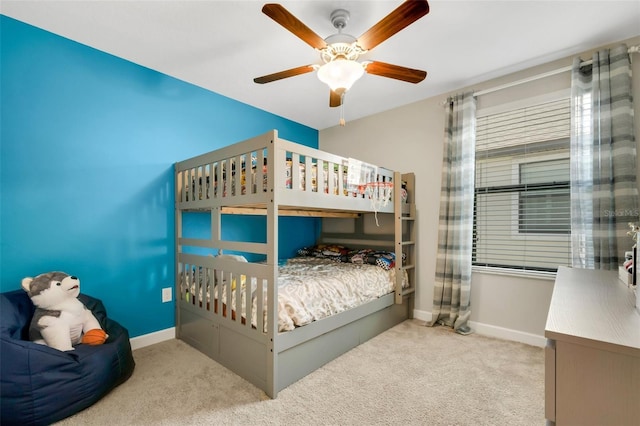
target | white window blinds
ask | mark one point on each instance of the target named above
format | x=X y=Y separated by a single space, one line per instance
x=522 y=209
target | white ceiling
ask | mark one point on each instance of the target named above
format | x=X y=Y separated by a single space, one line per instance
x=223 y=45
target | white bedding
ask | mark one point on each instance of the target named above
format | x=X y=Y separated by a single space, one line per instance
x=310 y=289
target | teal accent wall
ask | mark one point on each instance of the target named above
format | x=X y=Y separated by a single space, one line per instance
x=87 y=146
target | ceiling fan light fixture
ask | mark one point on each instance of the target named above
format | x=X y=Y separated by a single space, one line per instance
x=340 y=74
x=340 y=52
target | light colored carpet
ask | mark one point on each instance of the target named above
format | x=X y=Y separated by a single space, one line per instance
x=411 y=374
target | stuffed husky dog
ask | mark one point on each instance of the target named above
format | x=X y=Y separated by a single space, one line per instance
x=60 y=319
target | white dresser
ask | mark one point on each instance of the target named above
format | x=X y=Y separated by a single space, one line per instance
x=592 y=358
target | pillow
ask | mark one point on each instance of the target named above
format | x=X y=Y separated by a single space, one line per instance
x=327 y=251
x=236 y=257
x=384 y=259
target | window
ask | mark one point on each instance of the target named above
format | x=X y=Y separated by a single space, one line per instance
x=544 y=203
x=522 y=195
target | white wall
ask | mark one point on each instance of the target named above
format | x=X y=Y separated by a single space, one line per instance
x=410 y=139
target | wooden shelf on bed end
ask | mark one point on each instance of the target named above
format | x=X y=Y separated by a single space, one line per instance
x=408 y=291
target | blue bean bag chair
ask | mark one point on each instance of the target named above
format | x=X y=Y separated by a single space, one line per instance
x=41 y=385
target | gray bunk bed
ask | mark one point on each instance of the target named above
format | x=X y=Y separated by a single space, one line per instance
x=228 y=309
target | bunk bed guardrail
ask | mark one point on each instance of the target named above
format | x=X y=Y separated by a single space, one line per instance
x=252 y=172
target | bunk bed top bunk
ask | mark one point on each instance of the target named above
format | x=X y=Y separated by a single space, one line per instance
x=248 y=176
x=230 y=309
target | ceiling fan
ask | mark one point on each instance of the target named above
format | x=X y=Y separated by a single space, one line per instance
x=339 y=52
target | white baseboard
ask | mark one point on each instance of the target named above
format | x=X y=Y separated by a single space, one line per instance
x=422 y=315
x=494 y=331
x=151 y=338
x=509 y=334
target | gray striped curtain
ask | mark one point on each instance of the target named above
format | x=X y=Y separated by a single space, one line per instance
x=452 y=289
x=604 y=194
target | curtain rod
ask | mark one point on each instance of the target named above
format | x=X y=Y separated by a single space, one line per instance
x=632 y=49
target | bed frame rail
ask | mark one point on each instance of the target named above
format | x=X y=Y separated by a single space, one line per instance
x=231 y=291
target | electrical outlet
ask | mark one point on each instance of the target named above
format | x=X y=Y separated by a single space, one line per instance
x=166 y=295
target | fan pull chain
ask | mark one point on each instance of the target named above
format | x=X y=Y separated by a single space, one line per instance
x=342 y=122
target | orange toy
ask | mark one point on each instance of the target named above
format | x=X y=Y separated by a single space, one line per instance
x=94 y=337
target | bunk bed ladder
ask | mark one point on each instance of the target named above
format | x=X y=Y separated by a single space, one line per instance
x=405 y=236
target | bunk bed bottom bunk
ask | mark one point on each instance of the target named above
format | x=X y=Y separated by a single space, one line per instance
x=297 y=352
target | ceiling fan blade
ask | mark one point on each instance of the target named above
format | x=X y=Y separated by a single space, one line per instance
x=335 y=99
x=283 y=17
x=403 y=16
x=395 y=71
x=284 y=74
